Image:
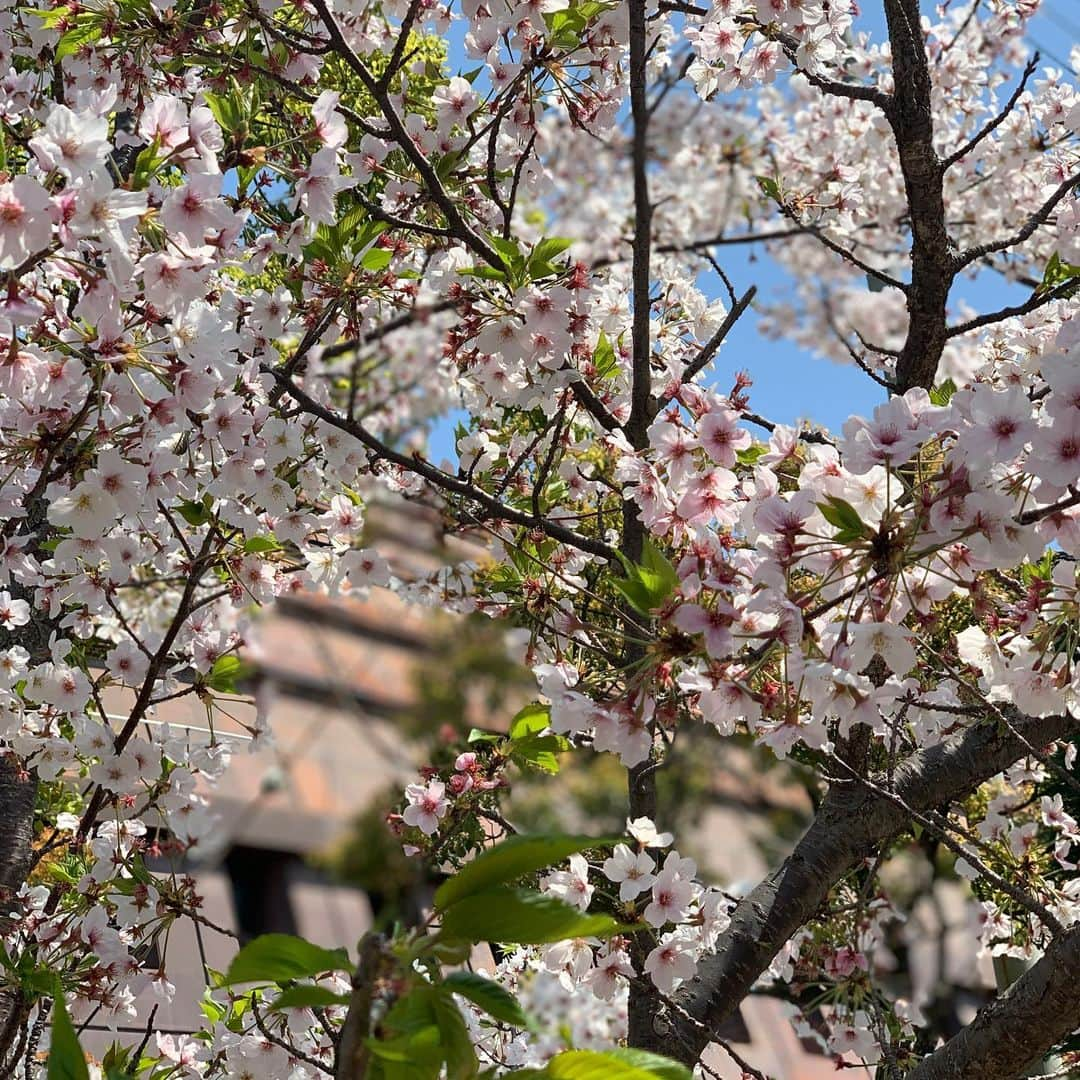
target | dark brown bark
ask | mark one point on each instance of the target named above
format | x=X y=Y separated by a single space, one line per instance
x=18 y=787
x=1016 y=1030
x=641 y=781
x=851 y=820
x=18 y=793
x=932 y=269
x=353 y=1055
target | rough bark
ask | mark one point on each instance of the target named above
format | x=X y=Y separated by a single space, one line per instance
x=932 y=265
x=18 y=787
x=1016 y=1030
x=851 y=820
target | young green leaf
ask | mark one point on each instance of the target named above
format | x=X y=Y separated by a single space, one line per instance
x=82 y=34
x=508 y=861
x=539 y=751
x=488 y=995
x=522 y=917
x=604 y=356
x=530 y=721
x=842 y=515
x=656 y=562
x=308 y=997
x=257 y=545
x=618 y=1064
x=225 y=673
x=277 y=957
x=66 y=1059
x=943 y=392
x=377 y=259
x=461 y=1063
x=195 y=514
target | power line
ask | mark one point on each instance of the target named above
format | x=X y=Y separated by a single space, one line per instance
x=1056 y=16
x=1048 y=53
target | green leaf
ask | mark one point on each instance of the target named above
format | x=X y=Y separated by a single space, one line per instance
x=647 y=587
x=225 y=108
x=530 y=721
x=461 y=1063
x=377 y=259
x=770 y=187
x=842 y=515
x=509 y=252
x=416 y=1051
x=750 y=455
x=49 y=19
x=195 y=514
x=226 y=671
x=277 y=957
x=550 y=247
x=308 y=997
x=1041 y=570
x=876 y=284
x=146 y=164
x=539 y=751
x=942 y=394
x=540 y=263
x=1057 y=273
x=418 y=1054
x=654 y=560
x=522 y=917
x=604 y=356
x=509 y=860
x=256 y=545
x=489 y=273
x=489 y=996
x=76 y=38
x=620 y=1064
x=66 y=1059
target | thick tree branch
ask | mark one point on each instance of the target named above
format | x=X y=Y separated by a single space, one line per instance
x=1017 y=1029
x=641 y=778
x=352 y=1052
x=932 y=271
x=850 y=822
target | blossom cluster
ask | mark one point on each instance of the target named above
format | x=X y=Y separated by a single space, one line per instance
x=250 y=251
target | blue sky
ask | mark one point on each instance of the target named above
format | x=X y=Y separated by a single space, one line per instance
x=790 y=383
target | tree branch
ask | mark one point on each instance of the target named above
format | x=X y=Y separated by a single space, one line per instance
x=1038 y=219
x=1018 y=1027
x=910 y=116
x=990 y=127
x=849 y=823
x=456 y=485
x=1033 y=303
x=433 y=185
x=708 y=350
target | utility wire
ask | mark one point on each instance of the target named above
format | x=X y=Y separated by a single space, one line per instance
x=1055 y=16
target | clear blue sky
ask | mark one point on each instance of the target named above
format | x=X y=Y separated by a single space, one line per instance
x=790 y=383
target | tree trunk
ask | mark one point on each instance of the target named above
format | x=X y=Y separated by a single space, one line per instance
x=18 y=789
